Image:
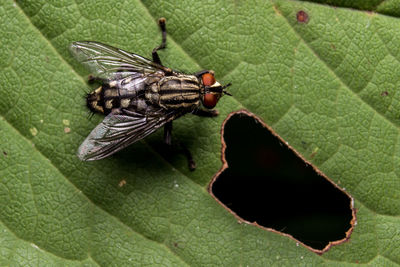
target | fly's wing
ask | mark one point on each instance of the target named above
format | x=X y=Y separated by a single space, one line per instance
x=111 y=63
x=118 y=131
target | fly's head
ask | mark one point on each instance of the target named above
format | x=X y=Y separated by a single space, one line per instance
x=211 y=90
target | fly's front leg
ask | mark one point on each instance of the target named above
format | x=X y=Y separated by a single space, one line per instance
x=200 y=73
x=177 y=145
x=156 y=58
x=205 y=112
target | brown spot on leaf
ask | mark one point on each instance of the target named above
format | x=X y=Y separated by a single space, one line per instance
x=314 y=152
x=258 y=186
x=302 y=16
x=5 y=153
x=385 y=93
x=122 y=183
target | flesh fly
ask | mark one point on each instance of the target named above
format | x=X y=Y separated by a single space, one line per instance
x=138 y=96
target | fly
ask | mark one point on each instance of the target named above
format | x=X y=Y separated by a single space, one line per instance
x=139 y=96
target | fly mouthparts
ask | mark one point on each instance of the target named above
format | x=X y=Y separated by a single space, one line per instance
x=227 y=85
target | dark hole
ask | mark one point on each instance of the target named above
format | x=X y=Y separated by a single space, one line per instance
x=268 y=184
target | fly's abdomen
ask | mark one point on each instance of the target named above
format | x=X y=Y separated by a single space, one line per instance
x=125 y=93
x=94 y=100
x=179 y=92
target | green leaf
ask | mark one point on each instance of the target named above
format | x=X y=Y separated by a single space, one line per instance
x=388 y=7
x=330 y=83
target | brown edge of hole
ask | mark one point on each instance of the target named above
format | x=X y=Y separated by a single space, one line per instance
x=319 y=172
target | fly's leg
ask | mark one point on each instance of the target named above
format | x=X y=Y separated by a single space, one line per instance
x=205 y=112
x=92 y=79
x=168 y=133
x=168 y=126
x=177 y=146
x=188 y=155
x=156 y=58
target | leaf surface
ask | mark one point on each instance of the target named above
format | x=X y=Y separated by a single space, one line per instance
x=329 y=84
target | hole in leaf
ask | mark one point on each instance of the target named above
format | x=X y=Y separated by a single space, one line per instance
x=268 y=184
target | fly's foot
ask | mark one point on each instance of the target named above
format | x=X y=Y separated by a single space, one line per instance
x=206 y=112
x=188 y=155
x=156 y=57
x=192 y=165
x=161 y=22
x=92 y=79
x=213 y=113
x=178 y=148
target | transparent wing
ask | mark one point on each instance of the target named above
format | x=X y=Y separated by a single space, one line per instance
x=107 y=62
x=118 y=131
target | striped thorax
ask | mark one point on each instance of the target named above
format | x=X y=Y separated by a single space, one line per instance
x=172 y=92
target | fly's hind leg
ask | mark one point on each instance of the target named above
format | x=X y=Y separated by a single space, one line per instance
x=177 y=146
x=156 y=58
x=188 y=155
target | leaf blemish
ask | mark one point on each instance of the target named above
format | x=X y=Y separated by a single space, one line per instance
x=266 y=183
x=33 y=131
x=302 y=16
x=5 y=153
x=314 y=152
x=122 y=183
x=385 y=93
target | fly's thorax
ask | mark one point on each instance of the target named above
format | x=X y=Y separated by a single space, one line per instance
x=177 y=91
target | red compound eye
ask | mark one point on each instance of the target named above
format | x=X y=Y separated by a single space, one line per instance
x=210 y=100
x=208 y=79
